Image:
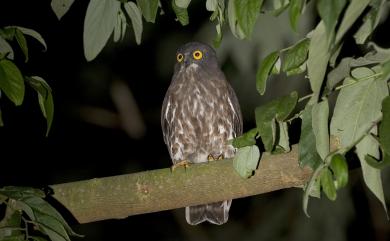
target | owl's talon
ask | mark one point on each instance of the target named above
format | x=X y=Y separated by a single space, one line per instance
x=210 y=157
x=183 y=163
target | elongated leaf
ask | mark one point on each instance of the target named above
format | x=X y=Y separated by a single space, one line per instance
x=11 y=81
x=371 y=175
x=118 y=28
x=308 y=154
x=318 y=57
x=247 y=139
x=296 y=7
x=32 y=33
x=282 y=137
x=339 y=167
x=354 y=10
x=246 y=160
x=384 y=128
x=339 y=73
x=247 y=12
x=296 y=55
x=5 y=48
x=22 y=43
x=371 y=20
x=21 y=192
x=279 y=6
x=320 y=115
x=60 y=7
x=233 y=21
x=181 y=14
x=182 y=3
x=45 y=99
x=264 y=70
x=373 y=162
x=136 y=19
x=148 y=9
x=327 y=184
x=211 y=5
x=266 y=116
x=329 y=11
x=99 y=24
x=357 y=106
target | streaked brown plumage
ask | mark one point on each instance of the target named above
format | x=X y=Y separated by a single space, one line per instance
x=200 y=114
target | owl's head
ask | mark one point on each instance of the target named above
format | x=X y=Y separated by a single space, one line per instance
x=195 y=53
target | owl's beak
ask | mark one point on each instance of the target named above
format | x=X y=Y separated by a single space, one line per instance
x=187 y=62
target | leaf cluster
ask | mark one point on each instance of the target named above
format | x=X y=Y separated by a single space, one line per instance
x=27 y=212
x=12 y=81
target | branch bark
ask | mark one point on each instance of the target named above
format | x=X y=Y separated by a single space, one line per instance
x=157 y=190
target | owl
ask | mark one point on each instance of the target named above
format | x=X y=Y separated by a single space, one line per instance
x=200 y=114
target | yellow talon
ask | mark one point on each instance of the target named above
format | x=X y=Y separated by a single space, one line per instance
x=183 y=163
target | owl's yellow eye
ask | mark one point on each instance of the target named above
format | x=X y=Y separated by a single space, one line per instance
x=197 y=54
x=179 y=57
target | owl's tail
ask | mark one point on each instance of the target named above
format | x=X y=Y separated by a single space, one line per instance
x=216 y=213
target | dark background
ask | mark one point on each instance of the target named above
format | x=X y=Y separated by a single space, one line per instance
x=91 y=135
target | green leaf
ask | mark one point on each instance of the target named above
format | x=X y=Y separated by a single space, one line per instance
x=282 y=139
x=296 y=7
x=296 y=55
x=136 y=19
x=11 y=81
x=371 y=20
x=45 y=98
x=60 y=7
x=354 y=10
x=339 y=167
x=386 y=70
x=118 y=28
x=182 y=3
x=6 y=49
x=246 y=160
x=32 y=33
x=384 y=128
x=211 y=5
x=1 y=124
x=275 y=110
x=371 y=175
x=327 y=184
x=339 y=73
x=373 y=162
x=329 y=10
x=308 y=154
x=320 y=115
x=247 y=12
x=298 y=70
x=148 y=9
x=235 y=27
x=264 y=70
x=357 y=107
x=48 y=216
x=21 y=192
x=181 y=14
x=318 y=58
x=246 y=139
x=7 y=33
x=279 y=6
x=99 y=24
x=22 y=43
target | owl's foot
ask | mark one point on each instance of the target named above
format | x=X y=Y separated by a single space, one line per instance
x=183 y=163
x=210 y=157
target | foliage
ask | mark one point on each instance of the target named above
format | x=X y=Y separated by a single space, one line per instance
x=360 y=122
x=362 y=83
x=12 y=81
x=26 y=212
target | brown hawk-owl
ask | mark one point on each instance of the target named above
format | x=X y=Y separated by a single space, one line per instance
x=200 y=114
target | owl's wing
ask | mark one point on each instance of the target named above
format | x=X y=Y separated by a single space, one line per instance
x=165 y=118
x=236 y=110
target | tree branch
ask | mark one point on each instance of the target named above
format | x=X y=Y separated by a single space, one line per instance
x=157 y=190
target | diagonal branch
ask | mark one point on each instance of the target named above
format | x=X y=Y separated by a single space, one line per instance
x=157 y=190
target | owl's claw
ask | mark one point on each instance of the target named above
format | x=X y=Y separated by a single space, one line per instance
x=183 y=163
x=210 y=157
